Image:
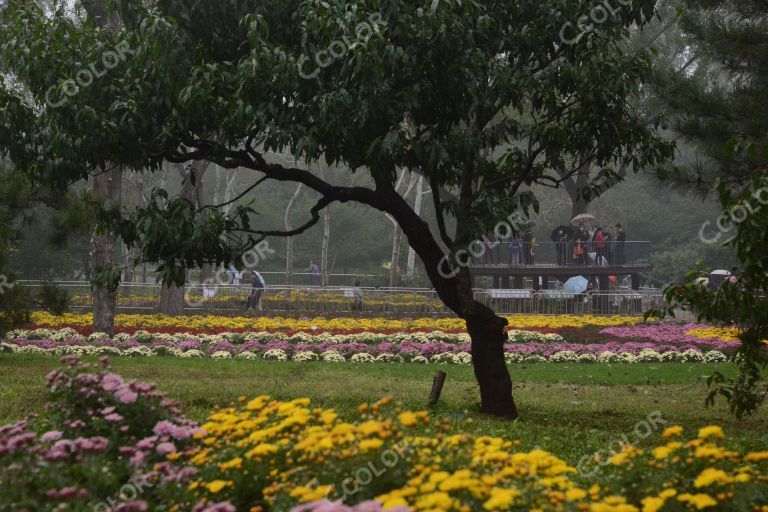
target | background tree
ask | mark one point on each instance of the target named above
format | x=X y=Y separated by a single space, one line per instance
x=479 y=98
x=718 y=100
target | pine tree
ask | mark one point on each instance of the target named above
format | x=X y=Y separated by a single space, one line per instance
x=718 y=102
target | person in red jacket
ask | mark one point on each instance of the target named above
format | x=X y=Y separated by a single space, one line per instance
x=600 y=239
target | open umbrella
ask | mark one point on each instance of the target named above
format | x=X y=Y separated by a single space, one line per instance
x=585 y=218
x=576 y=284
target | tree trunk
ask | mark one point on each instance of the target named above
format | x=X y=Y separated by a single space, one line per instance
x=395 y=255
x=107 y=187
x=417 y=210
x=324 y=249
x=289 y=241
x=172 y=296
x=486 y=330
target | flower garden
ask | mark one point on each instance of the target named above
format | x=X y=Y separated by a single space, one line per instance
x=582 y=339
x=107 y=443
x=112 y=443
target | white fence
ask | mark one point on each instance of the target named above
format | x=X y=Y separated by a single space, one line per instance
x=307 y=300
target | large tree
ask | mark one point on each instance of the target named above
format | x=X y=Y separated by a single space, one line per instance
x=717 y=103
x=482 y=99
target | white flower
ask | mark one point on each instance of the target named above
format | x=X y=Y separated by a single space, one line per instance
x=332 y=356
x=670 y=356
x=587 y=358
x=648 y=355
x=534 y=358
x=193 y=354
x=628 y=357
x=715 y=356
x=419 y=360
x=305 y=356
x=513 y=357
x=221 y=354
x=362 y=357
x=138 y=351
x=276 y=354
x=691 y=356
x=162 y=350
x=248 y=355
x=564 y=356
x=609 y=357
x=389 y=358
x=442 y=358
x=462 y=358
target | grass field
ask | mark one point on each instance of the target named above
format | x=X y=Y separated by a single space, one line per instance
x=572 y=410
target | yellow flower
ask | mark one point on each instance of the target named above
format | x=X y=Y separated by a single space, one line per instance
x=500 y=498
x=217 y=485
x=711 y=431
x=261 y=449
x=407 y=418
x=756 y=456
x=370 y=444
x=235 y=463
x=700 y=501
x=711 y=476
x=575 y=494
x=675 y=430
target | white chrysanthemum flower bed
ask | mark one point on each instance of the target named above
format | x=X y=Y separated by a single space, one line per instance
x=275 y=354
x=332 y=356
x=362 y=357
x=305 y=356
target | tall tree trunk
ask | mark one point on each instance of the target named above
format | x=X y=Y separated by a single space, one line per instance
x=417 y=210
x=107 y=188
x=394 y=261
x=289 y=240
x=488 y=335
x=485 y=328
x=324 y=248
x=172 y=296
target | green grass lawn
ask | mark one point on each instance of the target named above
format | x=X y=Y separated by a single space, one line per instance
x=570 y=409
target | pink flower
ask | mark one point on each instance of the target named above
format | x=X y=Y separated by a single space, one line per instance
x=165 y=448
x=113 y=418
x=132 y=506
x=125 y=395
x=111 y=381
x=164 y=428
x=53 y=435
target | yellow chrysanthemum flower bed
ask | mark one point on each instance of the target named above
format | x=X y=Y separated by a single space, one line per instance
x=272 y=455
x=149 y=322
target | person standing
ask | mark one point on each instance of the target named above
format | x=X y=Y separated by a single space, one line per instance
x=515 y=247
x=357 y=293
x=257 y=290
x=562 y=248
x=314 y=273
x=527 y=246
x=621 y=238
x=599 y=239
x=578 y=252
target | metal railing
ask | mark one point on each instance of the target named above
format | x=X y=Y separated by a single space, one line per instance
x=562 y=254
x=312 y=301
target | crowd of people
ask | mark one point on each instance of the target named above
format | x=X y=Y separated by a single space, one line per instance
x=582 y=246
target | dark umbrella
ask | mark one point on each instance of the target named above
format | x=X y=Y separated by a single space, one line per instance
x=565 y=229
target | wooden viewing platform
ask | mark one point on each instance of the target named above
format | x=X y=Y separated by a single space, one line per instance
x=553 y=261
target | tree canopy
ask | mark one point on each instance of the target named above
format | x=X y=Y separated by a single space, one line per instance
x=483 y=99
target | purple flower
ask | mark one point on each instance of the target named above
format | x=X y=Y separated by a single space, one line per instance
x=165 y=448
x=126 y=395
x=53 y=435
x=111 y=381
